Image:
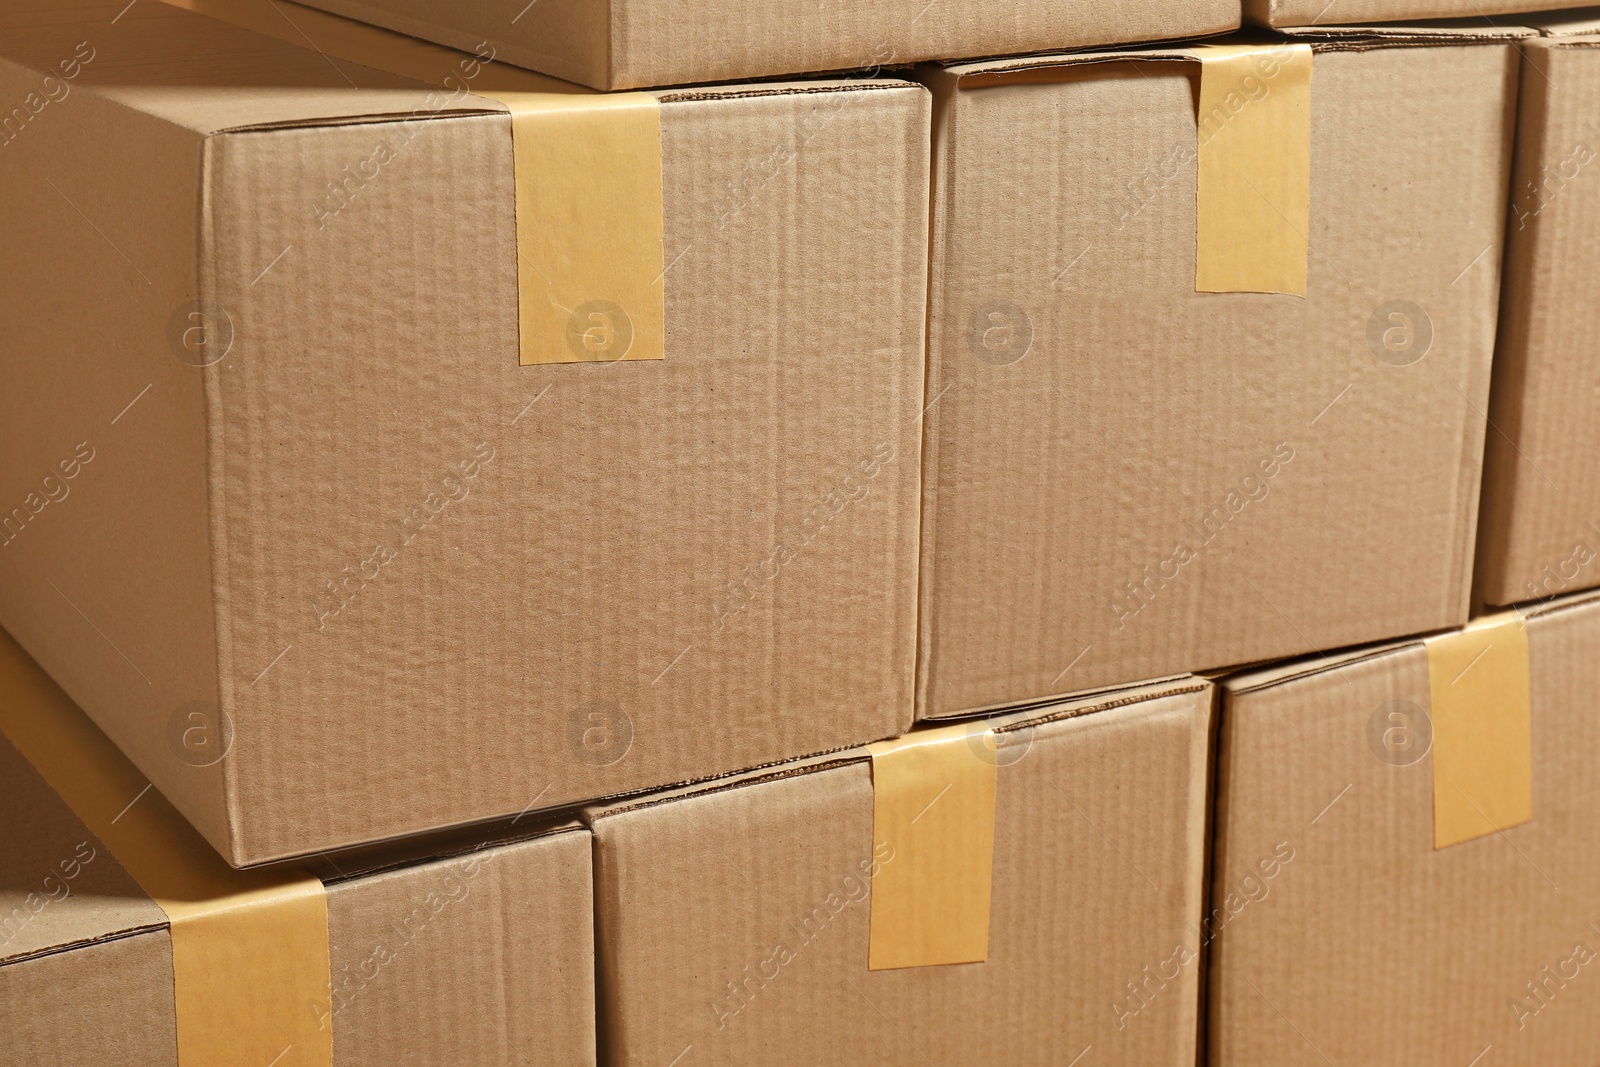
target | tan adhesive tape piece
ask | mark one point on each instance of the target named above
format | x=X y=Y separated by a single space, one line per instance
x=249 y=948
x=1254 y=192
x=1482 y=729
x=588 y=179
x=933 y=803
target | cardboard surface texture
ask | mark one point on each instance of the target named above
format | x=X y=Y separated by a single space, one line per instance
x=481 y=953
x=1374 y=946
x=1125 y=478
x=1541 y=499
x=278 y=486
x=1319 y=13
x=735 y=920
x=624 y=44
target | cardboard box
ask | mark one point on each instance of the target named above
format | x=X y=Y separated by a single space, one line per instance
x=1125 y=478
x=735 y=919
x=1327 y=13
x=272 y=460
x=624 y=44
x=1540 y=535
x=481 y=954
x=1373 y=946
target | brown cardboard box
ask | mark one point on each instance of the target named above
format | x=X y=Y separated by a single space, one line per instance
x=1372 y=947
x=482 y=954
x=733 y=919
x=1540 y=533
x=1126 y=478
x=425 y=584
x=1326 y=13
x=622 y=44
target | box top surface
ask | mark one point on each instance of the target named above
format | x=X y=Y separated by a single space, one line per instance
x=211 y=76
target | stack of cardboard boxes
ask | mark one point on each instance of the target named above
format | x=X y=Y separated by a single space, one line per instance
x=1064 y=559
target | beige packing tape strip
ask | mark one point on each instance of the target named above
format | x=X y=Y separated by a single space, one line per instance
x=249 y=948
x=588 y=180
x=933 y=795
x=1253 y=145
x=1254 y=193
x=1482 y=729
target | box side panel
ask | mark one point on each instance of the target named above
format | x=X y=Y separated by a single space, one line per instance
x=1541 y=508
x=483 y=959
x=655 y=44
x=628 y=575
x=1335 y=767
x=737 y=921
x=104 y=553
x=626 y=44
x=102 y=1005
x=1134 y=479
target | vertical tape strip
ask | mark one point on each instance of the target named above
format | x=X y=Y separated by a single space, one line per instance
x=1254 y=194
x=589 y=226
x=1482 y=729
x=933 y=803
x=249 y=948
x=590 y=268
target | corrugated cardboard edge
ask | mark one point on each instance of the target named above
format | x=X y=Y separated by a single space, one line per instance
x=942 y=87
x=1582 y=22
x=1041 y=714
x=1321 y=38
x=1425 y=33
x=1502 y=462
